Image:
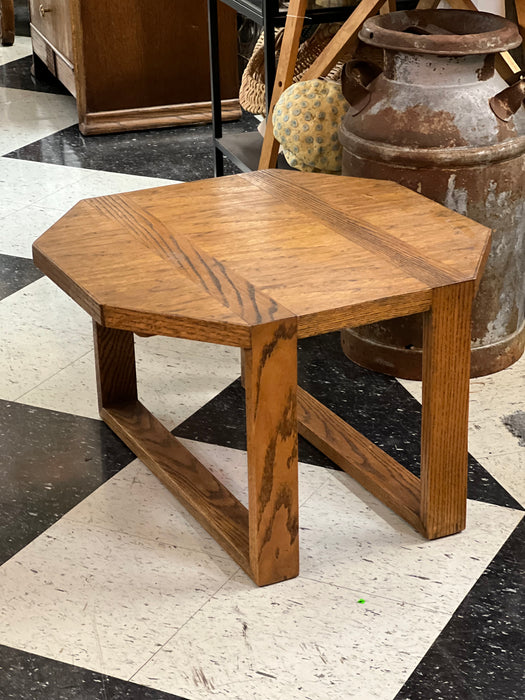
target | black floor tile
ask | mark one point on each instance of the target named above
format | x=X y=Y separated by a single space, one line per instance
x=480 y=655
x=49 y=462
x=376 y=405
x=179 y=153
x=18 y=74
x=26 y=676
x=16 y=273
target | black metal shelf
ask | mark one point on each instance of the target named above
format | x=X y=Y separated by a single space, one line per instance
x=244 y=150
x=259 y=10
x=267 y=14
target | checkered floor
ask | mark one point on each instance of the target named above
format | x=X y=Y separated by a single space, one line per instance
x=110 y=590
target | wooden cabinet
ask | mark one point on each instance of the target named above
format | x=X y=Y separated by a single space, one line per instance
x=51 y=35
x=135 y=64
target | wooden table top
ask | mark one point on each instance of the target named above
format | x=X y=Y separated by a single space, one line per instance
x=210 y=259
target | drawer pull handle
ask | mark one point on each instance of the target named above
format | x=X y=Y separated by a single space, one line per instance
x=43 y=10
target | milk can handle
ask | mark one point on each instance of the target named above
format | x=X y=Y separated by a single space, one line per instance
x=508 y=101
x=355 y=78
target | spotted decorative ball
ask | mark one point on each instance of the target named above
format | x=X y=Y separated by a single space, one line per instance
x=306 y=122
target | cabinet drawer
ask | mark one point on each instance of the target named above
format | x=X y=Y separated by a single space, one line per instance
x=52 y=19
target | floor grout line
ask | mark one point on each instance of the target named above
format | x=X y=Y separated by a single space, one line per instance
x=51 y=376
x=212 y=597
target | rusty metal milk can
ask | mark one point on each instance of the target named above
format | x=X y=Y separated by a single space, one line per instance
x=439 y=120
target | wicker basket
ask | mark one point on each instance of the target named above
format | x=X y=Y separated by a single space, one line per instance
x=253 y=90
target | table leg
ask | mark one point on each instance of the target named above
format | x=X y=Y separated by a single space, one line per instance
x=444 y=429
x=7 y=22
x=115 y=366
x=271 y=425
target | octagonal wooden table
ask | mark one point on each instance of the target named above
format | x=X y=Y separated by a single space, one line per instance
x=256 y=261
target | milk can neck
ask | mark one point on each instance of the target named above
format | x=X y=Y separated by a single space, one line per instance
x=437 y=71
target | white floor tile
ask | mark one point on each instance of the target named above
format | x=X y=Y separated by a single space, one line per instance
x=491 y=437
x=294 y=640
x=414 y=388
x=96 y=183
x=43 y=331
x=491 y=396
x=100 y=599
x=26 y=182
x=175 y=378
x=354 y=541
x=499 y=394
x=42 y=304
x=20 y=227
x=509 y=470
x=21 y=47
x=27 y=116
x=134 y=502
x=6 y=208
x=72 y=389
x=29 y=356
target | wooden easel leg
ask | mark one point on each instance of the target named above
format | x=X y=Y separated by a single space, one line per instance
x=427 y=4
x=444 y=430
x=271 y=425
x=389 y=6
x=115 y=366
x=283 y=77
x=505 y=64
x=520 y=14
x=520 y=19
x=345 y=39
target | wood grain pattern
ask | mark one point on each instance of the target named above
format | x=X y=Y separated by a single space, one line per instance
x=257 y=261
x=54 y=24
x=444 y=437
x=116 y=120
x=270 y=375
x=115 y=366
x=231 y=290
x=129 y=55
x=365 y=462
x=7 y=22
x=520 y=14
x=373 y=239
x=354 y=315
x=210 y=503
x=207 y=260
